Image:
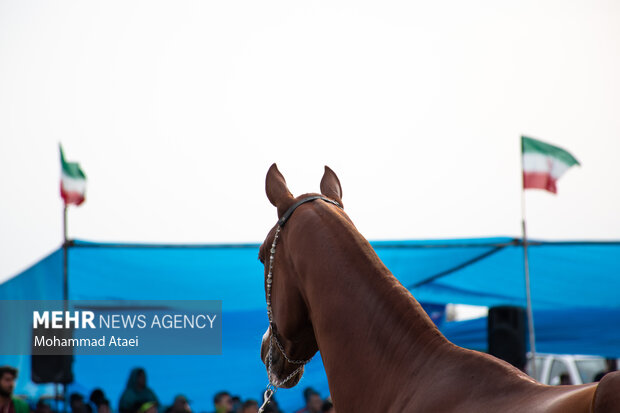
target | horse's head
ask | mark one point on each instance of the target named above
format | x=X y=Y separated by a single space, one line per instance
x=289 y=341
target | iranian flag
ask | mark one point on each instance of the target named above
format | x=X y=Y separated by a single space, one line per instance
x=72 y=181
x=544 y=164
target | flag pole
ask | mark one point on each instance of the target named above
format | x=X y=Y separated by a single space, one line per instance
x=526 y=268
x=65 y=246
x=65 y=285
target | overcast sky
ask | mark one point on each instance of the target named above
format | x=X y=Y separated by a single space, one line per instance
x=175 y=110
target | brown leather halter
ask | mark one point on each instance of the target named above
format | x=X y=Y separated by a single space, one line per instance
x=297 y=204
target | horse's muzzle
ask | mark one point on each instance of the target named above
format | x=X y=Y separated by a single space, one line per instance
x=280 y=368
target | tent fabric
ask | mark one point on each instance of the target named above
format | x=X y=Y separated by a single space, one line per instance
x=42 y=281
x=566 y=331
x=562 y=274
x=486 y=271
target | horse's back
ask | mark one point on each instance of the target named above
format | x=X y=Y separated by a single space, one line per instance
x=541 y=399
x=607 y=397
x=568 y=399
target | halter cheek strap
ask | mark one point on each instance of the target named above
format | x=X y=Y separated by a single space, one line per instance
x=273 y=382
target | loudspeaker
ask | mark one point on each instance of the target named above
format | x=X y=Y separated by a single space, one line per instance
x=506 y=334
x=51 y=369
x=47 y=367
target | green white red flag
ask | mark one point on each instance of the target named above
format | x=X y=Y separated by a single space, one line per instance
x=543 y=164
x=72 y=181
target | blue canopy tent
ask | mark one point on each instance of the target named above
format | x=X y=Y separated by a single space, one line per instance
x=487 y=271
x=564 y=331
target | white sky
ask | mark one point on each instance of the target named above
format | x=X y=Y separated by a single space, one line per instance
x=175 y=110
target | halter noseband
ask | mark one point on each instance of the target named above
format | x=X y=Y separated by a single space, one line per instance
x=272 y=386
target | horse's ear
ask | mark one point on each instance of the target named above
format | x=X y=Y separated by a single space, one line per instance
x=330 y=185
x=277 y=191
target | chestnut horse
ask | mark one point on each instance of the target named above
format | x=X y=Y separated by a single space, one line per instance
x=330 y=292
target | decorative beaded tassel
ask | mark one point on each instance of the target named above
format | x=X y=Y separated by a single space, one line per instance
x=272 y=253
x=273 y=384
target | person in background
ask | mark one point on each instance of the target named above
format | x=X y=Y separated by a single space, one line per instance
x=314 y=403
x=104 y=406
x=223 y=402
x=565 y=379
x=8 y=403
x=43 y=407
x=96 y=397
x=179 y=405
x=236 y=401
x=611 y=365
x=136 y=393
x=148 y=407
x=250 y=406
x=328 y=407
x=76 y=402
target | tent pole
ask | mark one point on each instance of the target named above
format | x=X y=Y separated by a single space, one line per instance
x=526 y=268
x=530 y=315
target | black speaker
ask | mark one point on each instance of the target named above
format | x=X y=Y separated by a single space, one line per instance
x=51 y=369
x=47 y=367
x=506 y=334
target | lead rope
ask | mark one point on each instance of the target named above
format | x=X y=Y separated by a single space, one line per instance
x=273 y=384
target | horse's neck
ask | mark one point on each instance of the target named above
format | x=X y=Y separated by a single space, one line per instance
x=367 y=325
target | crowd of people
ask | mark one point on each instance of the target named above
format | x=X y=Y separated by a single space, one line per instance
x=139 y=398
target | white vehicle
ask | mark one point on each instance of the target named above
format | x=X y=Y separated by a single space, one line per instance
x=580 y=369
